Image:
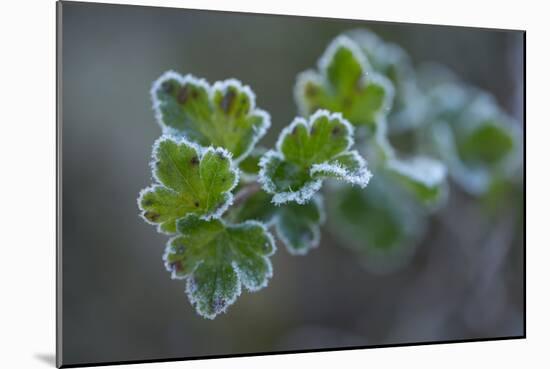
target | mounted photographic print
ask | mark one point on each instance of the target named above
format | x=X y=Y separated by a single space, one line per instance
x=240 y=184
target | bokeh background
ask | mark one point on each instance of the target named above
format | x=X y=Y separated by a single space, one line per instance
x=464 y=281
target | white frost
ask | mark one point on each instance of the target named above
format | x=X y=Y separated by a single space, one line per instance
x=360 y=176
x=200 y=152
x=221 y=86
x=422 y=169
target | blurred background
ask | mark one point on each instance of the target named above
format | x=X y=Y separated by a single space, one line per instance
x=463 y=279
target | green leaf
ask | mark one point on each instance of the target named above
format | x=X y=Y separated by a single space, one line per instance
x=298 y=225
x=478 y=142
x=385 y=57
x=217 y=258
x=409 y=103
x=345 y=84
x=189 y=180
x=489 y=143
x=424 y=177
x=222 y=115
x=309 y=151
x=257 y=207
x=381 y=224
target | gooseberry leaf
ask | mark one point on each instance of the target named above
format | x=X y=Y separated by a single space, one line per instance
x=222 y=115
x=422 y=176
x=345 y=83
x=409 y=103
x=381 y=224
x=384 y=57
x=189 y=180
x=474 y=146
x=309 y=151
x=257 y=206
x=217 y=258
x=461 y=140
x=297 y=226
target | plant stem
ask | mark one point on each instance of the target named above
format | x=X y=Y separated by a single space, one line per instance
x=245 y=192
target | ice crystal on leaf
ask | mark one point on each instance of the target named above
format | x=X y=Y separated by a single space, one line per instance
x=217 y=258
x=309 y=151
x=345 y=83
x=222 y=115
x=190 y=180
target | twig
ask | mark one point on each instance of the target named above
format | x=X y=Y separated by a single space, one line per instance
x=245 y=192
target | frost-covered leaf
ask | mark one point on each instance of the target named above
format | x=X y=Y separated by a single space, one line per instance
x=189 y=180
x=489 y=143
x=385 y=57
x=477 y=142
x=309 y=151
x=298 y=225
x=393 y=62
x=345 y=83
x=217 y=258
x=380 y=224
x=257 y=206
x=423 y=176
x=222 y=115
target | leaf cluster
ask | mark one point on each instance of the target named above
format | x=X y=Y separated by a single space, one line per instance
x=220 y=195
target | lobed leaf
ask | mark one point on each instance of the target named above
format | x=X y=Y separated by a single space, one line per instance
x=410 y=106
x=475 y=147
x=345 y=83
x=297 y=226
x=217 y=258
x=222 y=115
x=257 y=206
x=461 y=137
x=423 y=176
x=381 y=224
x=189 y=180
x=309 y=151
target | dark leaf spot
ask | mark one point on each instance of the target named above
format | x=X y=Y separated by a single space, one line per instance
x=218 y=304
x=228 y=100
x=336 y=131
x=176 y=266
x=196 y=204
x=194 y=161
x=311 y=90
x=152 y=216
x=147 y=202
x=183 y=94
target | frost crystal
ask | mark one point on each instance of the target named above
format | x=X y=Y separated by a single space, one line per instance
x=309 y=151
